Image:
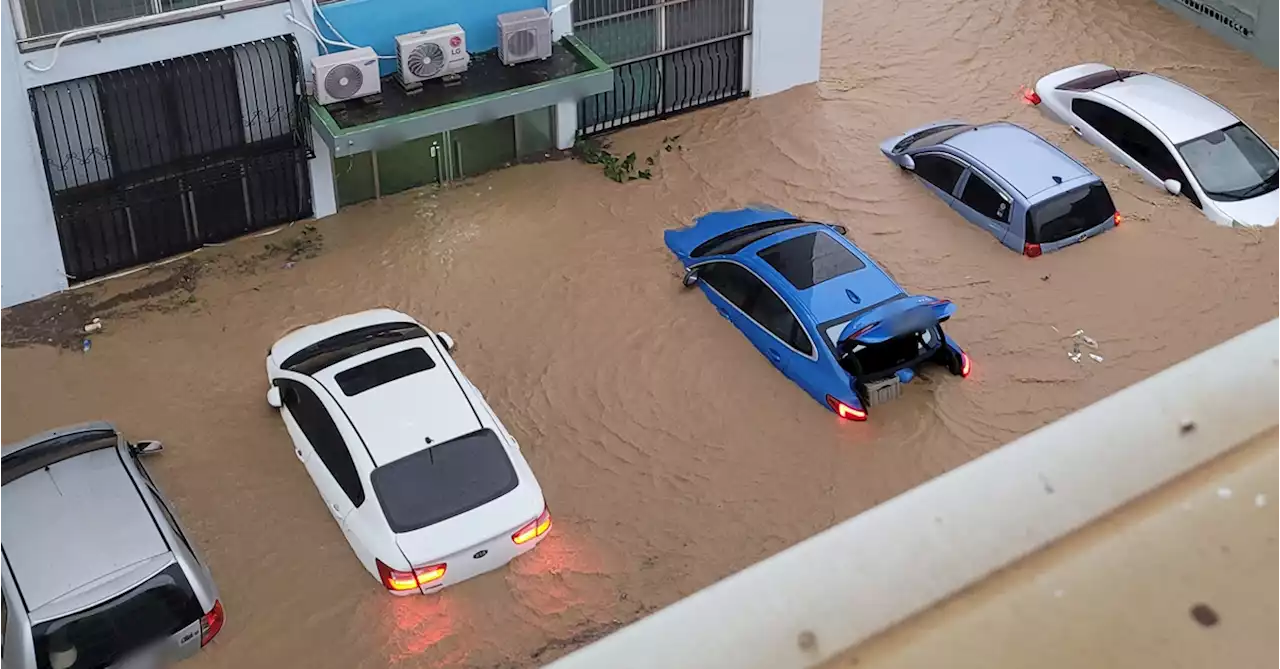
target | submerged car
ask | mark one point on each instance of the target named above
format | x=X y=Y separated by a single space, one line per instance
x=816 y=306
x=1008 y=181
x=1172 y=136
x=97 y=570
x=426 y=483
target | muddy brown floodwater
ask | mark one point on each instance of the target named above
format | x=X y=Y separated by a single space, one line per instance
x=671 y=453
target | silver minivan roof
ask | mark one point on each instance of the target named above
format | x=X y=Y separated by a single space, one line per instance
x=76 y=524
x=1028 y=162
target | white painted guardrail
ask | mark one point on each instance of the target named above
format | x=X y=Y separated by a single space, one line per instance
x=843 y=586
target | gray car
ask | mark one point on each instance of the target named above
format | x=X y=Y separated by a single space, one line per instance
x=97 y=570
x=1009 y=181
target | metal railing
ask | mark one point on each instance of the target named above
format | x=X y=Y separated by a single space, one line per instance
x=39 y=18
x=668 y=56
x=162 y=158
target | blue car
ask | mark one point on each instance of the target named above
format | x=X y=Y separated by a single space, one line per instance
x=1008 y=181
x=816 y=306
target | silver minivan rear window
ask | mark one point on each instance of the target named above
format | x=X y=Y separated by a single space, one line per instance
x=102 y=635
x=1069 y=214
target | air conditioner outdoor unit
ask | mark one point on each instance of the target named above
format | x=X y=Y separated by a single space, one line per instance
x=432 y=53
x=524 y=36
x=345 y=75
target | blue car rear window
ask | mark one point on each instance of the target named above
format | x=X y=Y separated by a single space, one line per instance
x=736 y=240
x=808 y=260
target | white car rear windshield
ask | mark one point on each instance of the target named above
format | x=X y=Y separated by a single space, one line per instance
x=443 y=481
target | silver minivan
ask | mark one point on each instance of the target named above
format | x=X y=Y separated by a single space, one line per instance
x=97 y=570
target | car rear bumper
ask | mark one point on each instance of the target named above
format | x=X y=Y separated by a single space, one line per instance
x=477 y=560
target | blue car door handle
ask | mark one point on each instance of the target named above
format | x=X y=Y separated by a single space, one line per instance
x=722 y=312
x=775 y=356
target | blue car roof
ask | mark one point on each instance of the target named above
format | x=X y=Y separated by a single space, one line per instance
x=831 y=299
x=1020 y=156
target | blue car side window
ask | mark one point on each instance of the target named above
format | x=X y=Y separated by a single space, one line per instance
x=760 y=303
x=734 y=283
x=775 y=316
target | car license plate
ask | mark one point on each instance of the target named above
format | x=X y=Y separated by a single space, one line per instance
x=885 y=390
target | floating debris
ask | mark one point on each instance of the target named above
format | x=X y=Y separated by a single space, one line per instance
x=1260 y=500
x=86 y=345
x=1224 y=493
x=1079 y=339
x=93 y=326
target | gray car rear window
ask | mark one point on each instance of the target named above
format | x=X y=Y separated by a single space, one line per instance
x=443 y=481
x=386 y=369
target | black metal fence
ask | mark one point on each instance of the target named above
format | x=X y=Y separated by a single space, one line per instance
x=653 y=88
x=162 y=158
x=668 y=56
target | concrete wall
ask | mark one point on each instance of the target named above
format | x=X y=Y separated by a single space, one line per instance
x=32 y=257
x=1260 y=17
x=785 y=47
x=376 y=23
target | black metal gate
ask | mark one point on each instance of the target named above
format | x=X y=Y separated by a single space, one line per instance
x=668 y=56
x=162 y=158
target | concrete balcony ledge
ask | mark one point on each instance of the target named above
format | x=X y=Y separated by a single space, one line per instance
x=488 y=91
x=1138 y=531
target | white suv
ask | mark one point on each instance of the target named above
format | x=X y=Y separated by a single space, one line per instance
x=427 y=485
x=1172 y=136
x=97 y=570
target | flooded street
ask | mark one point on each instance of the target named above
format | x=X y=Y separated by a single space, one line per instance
x=670 y=452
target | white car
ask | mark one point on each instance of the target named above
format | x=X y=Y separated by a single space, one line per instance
x=1174 y=137
x=428 y=486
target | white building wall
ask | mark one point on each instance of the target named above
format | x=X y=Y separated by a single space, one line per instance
x=32 y=257
x=785 y=47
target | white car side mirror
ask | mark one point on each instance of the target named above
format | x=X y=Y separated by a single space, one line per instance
x=446 y=341
x=1173 y=186
x=147 y=447
x=273 y=397
x=908 y=163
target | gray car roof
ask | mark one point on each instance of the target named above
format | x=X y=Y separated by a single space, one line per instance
x=1020 y=156
x=74 y=523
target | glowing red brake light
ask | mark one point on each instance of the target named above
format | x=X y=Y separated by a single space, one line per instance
x=1117 y=218
x=1031 y=250
x=964 y=365
x=845 y=411
x=211 y=623
x=1029 y=96
x=535 y=528
x=402 y=581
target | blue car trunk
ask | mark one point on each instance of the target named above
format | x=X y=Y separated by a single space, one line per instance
x=894 y=337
